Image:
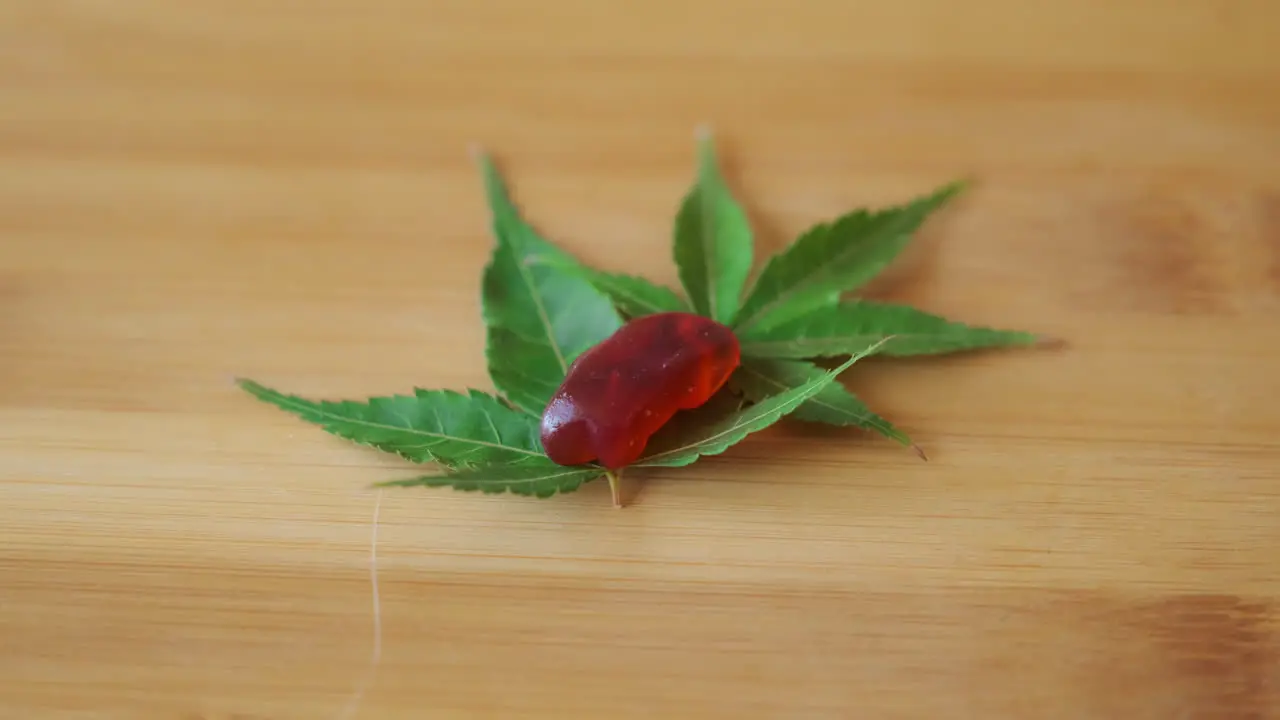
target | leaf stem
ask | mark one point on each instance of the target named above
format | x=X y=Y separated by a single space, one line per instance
x=615 y=486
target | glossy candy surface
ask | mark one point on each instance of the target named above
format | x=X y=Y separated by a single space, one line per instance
x=618 y=393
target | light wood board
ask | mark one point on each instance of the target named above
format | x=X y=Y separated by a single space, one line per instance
x=193 y=191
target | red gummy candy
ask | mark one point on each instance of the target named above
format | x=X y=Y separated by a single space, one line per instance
x=617 y=394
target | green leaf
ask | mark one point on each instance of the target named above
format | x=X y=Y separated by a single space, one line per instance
x=832 y=258
x=444 y=426
x=533 y=478
x=759 y=378
x=713 y=241
x=635 y=296
x=853 y=325
x=539 y=314
x=632 y=295
x=526 y=373
x=695 y=440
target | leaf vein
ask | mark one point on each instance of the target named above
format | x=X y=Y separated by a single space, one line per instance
x=303 y=406
x=815 y=399
x=541 y=309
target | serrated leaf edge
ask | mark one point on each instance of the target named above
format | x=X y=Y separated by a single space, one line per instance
x=753 y=316
x=608 y=283
x=708 y=178
x=500 y=203
x=782 y=410
x=884 y=427
x=459 y=481
x=297 y=405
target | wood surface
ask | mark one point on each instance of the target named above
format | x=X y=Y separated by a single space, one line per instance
x=193 y=191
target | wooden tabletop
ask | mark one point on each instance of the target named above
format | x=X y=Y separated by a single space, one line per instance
x=195 y=191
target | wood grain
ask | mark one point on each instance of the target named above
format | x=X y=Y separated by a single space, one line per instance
x=194 y=191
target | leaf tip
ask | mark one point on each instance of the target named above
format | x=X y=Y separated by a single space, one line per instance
x=484 y=162
x=954 y=188
x=704 y=137
x=919 y=451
